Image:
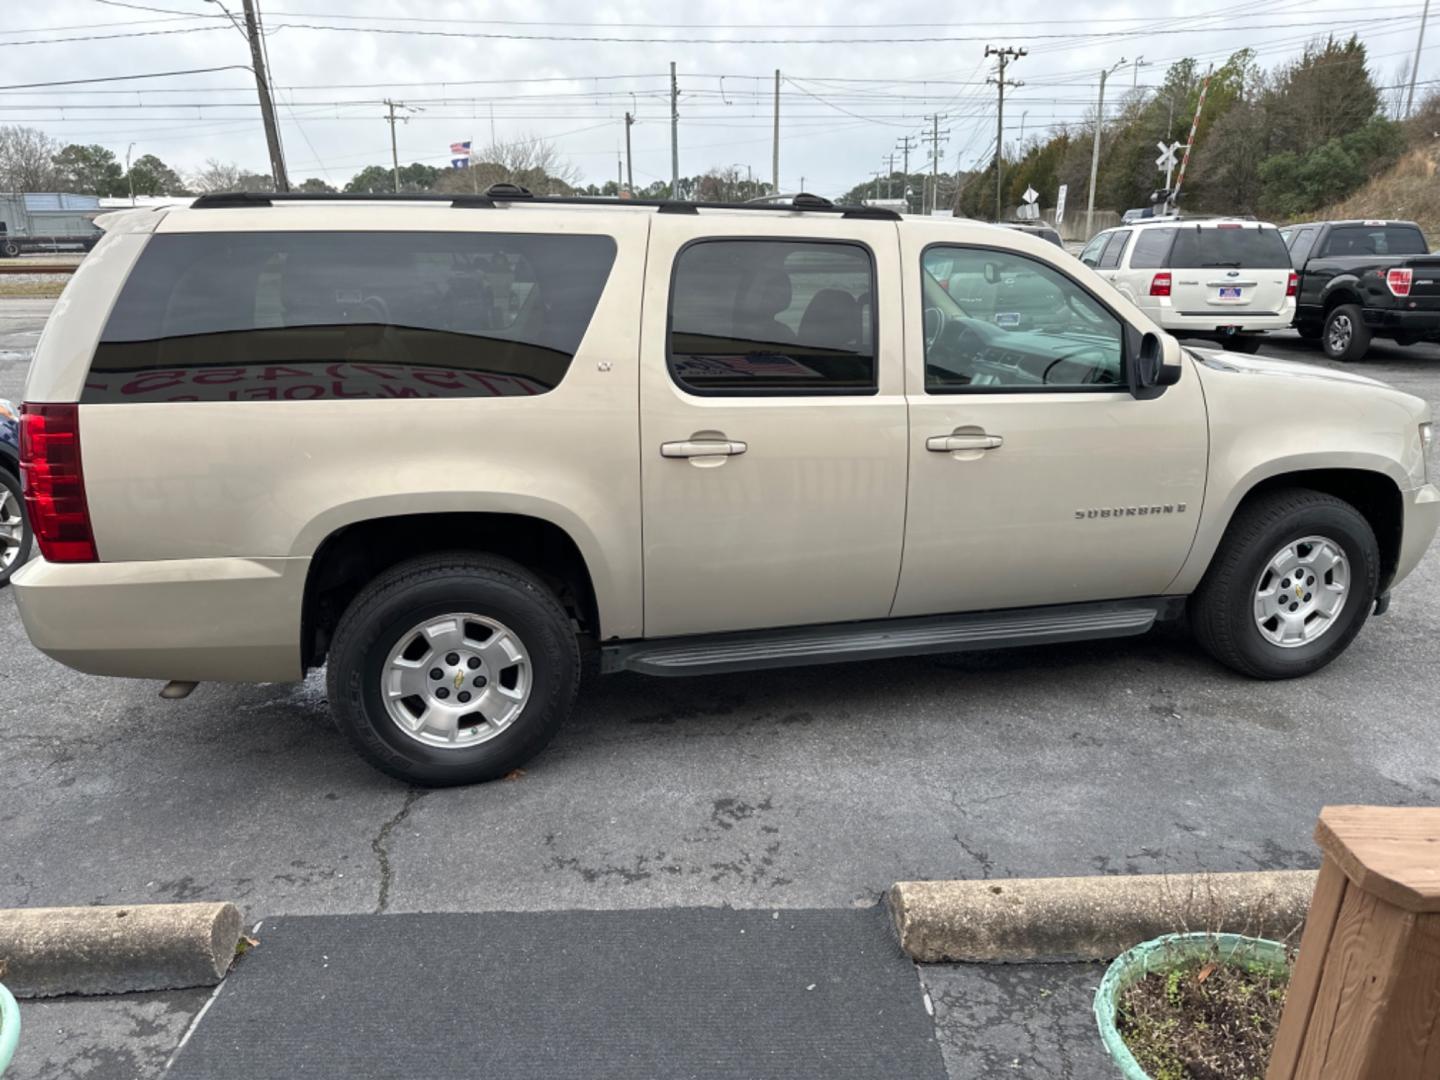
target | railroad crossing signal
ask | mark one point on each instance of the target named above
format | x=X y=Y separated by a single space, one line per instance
x=1166 y=160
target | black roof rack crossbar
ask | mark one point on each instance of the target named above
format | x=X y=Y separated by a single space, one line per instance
x=499 y=194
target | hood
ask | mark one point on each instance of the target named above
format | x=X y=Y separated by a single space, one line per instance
x=1219 y=360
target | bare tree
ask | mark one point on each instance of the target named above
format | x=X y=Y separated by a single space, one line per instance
x=1395 y=92
x=218 y=176
x=529 y=160
x=27 y=159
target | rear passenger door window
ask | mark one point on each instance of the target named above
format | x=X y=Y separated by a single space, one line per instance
x=1110 y=259
x=1152 y=249
x=773 y=316
x=1020 y=325
x=283 y=316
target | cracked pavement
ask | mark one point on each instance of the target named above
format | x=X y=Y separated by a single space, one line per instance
x=804 y=788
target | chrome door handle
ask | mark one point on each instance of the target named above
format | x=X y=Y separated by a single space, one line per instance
x=947 y=444
x=690 y=448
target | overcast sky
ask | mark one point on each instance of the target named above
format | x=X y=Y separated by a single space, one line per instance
x=847 y=99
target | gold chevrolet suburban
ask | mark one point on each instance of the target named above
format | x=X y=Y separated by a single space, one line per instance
x=451 y=447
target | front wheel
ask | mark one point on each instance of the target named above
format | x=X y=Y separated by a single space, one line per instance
x=14 y=527
x=453 y=669
x=11 y=249
x=1291 y=585
x=1346 y=337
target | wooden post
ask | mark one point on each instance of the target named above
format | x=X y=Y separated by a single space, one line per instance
x=1364 y=998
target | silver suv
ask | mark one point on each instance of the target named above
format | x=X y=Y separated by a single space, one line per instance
x=450 y=448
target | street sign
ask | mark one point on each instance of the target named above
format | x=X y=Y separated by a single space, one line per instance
x=1030 y=195
x=1027 y=212
x=1060 y=205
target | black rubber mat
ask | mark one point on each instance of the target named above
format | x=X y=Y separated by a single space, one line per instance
x=679 y=994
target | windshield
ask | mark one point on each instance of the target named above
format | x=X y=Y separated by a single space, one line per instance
x=1229 y=245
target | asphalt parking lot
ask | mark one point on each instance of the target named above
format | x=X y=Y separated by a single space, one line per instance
x=807 y=788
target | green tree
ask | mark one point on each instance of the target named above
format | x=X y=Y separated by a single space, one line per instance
x=89 y=170
x=315 y=185
x=151 y=176
x=379 y=179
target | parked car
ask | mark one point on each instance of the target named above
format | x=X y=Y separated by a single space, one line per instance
x=1045 y=232
x=1361 y=280
x=1221 y=279
x=449 y=446
x=14 y=527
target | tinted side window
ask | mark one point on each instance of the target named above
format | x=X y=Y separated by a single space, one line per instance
x=288 y=316
x=1020 y=325
x=1375 y=240
x=1300 y=245
x=1152 y=249
x=1114 y=249
x=767 y=316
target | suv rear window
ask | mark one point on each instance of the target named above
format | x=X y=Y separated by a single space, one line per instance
x=293 y=316
x=1221 y=245
x=1375 y=240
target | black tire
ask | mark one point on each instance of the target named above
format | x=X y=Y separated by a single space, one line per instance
x=397 y=601
x=11 y=249
x=10 y=497
x=1246 y=343
x=1310 y=331
x=1222 y=608
x=1345 y=336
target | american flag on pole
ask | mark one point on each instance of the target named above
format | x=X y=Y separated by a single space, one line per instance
x=458 y=148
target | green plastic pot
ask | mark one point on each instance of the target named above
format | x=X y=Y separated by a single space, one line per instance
x=9 y=1027
x=1162 y=954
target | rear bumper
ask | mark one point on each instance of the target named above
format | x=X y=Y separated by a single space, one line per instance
x=200 y=620
x=1422 y=517
x=1215 y=324
x=1386 y=321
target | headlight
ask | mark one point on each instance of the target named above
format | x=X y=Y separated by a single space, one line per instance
x=1427 y=440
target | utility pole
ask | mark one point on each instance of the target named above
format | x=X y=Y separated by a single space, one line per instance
x=889 y=176
x=629 y=161
x=394 y=153
x=1005 y=55
x=267 y=105
x=1095 y=149
x=674 y=134
x=619 y=174
x=1415 y=64
x=775 y=151
x=935 y=134
x=128 y=174
x=904 y=145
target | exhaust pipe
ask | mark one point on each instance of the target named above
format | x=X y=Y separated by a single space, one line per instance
x=175 y=690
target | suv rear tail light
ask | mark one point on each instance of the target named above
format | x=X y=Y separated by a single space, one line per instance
x=54 y=483
x=1293 y=285
x=1398 y=280
x=1160 y=285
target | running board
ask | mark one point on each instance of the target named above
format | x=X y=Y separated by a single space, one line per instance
x=838 y=643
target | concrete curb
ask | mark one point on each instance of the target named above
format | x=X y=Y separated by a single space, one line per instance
x=1088 y=918
x=116 y=950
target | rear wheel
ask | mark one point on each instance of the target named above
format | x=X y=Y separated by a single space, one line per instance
x=453 y=669
x=1346 y=336
x=14 y=527
x=10 y=248
x=1247 y=343
x=1291 y=585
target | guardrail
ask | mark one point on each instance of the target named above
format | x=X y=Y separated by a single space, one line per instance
x=37 y=268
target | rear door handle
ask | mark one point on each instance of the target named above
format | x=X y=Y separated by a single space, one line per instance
x=702 y=448
x=948 y=444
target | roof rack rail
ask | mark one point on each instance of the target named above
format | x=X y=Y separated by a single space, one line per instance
x=498 y=194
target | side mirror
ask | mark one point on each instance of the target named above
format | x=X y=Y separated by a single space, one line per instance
x=1150 y=368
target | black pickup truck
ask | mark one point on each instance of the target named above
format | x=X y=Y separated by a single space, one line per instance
x=1361 y=280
